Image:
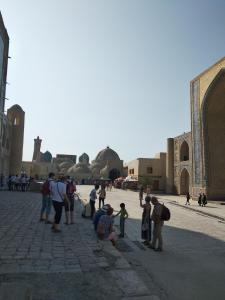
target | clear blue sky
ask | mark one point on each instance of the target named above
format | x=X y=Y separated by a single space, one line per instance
x=95 y=73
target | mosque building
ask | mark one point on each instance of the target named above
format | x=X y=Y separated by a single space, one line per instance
x=11 y=123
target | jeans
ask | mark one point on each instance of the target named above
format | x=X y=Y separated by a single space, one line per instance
x=58 y=206
x=122 y=225
x=101 y=200
x=46 y=205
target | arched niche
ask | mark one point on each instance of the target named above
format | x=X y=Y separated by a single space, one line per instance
x=184 y=151
x=184 y=182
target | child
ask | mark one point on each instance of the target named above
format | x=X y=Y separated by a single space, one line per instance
x=123 y=216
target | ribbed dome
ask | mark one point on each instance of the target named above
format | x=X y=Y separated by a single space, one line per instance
x=79 y=170
x=66 y=164
x=107 y=154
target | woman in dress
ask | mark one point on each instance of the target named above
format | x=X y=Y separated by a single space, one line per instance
x=146 y=220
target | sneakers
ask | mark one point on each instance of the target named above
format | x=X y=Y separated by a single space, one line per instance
x=158 y=249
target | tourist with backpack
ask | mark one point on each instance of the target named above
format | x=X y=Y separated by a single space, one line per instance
x=158 y=224
x=69 y=206
x=46 y=199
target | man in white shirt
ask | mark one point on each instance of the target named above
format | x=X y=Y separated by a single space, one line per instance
x=58 y=196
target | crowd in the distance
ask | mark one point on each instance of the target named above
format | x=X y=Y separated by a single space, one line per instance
x=18 y=182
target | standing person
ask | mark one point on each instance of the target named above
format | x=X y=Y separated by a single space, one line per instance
x=141 y=192
x=10 y=182
x=58 y=195
x=123 y=216
x=146 y=220
x=158 y=224
x=188 y=198
x=204 y=199
x=23 y=183
x=102 y=195
x=93 y=197
x=200 y=199
x=46 y=199
x=69 y=207
x=148 y=190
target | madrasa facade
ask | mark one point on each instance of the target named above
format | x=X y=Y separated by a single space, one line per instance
x=195 y=161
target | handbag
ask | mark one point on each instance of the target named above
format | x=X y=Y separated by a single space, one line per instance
x=63 y=200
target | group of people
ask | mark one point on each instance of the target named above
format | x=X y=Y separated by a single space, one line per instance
x=18 y=183
x=202 y=200
x=152 y=239
x=103 y=219
x=59 y=193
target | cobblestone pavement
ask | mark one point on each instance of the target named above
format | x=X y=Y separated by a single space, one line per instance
x=40 y=265
x=192 y=265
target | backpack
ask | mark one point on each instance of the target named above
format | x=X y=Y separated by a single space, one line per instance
x=70 y=188
x=165 y=216
x=86 y=213
x=45 y=190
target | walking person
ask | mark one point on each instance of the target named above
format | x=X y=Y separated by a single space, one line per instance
x=187 y=199
x=200 y=199
x=158 y=224
x=148 y=190
x=46 y=199
x=69 y=206
x=123 y=216
x=93 y=197
x=102 y=195
x=58 y=195
x=146 y=220
x=204 y=199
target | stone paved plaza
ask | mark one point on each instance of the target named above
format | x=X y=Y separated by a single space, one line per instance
x=38 y=264
x=193 y=263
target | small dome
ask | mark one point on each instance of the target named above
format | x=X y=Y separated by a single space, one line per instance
x=46 y=157
x=80 y=171
x=84 y=158
x=66 y=165
x=107 y=154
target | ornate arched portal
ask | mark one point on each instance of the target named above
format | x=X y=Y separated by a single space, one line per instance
x=213 y=115
x=184 y=182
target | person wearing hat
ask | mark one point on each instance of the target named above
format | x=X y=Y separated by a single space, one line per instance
x=59 y=197
x=99 y=213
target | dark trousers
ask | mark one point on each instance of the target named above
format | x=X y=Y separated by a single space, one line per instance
x=122 y=225
x=101 y=200
x=92 y=204
x=58 y=211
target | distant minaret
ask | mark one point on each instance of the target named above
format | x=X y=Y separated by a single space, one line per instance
x=37 y=149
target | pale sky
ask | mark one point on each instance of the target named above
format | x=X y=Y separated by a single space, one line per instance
x=97 y=73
